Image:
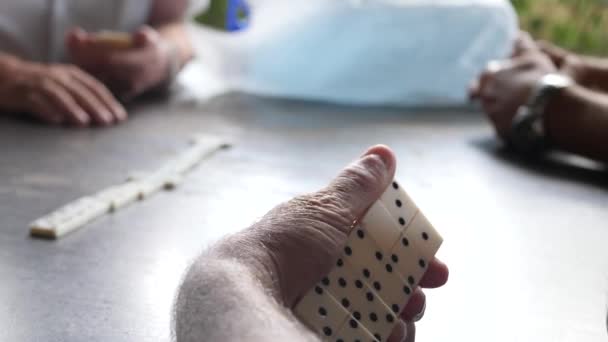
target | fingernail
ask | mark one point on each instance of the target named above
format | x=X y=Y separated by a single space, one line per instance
x=419 y=316
x=375 y=151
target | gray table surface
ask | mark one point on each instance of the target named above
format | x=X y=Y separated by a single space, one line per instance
x=527 y=244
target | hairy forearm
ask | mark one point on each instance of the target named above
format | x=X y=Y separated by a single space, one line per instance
x=577 y=121
x=223 y=300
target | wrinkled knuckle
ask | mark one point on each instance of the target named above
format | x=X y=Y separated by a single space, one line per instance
x=290 y=211
x=316 y=200
x=323 y=207
x=330 y=202
x=362 y=178
x=311 y=204
x=302 y=203
x=306 y=200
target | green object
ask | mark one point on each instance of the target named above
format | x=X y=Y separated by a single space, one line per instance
x=578 y=25
x=228 y=15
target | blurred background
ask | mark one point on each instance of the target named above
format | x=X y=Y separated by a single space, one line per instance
x=579 y=25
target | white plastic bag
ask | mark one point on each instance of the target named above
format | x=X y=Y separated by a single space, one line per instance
x=366 y=52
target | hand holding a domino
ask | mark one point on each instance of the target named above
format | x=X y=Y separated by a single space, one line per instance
x=350 y=266
x=130 y=64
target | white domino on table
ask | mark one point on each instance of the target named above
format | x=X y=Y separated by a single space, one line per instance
x=150 y=185
x=173 y=181
x=381 y=264
x=147 y=184
x=139 y=186
x=119 y=196
x=201 y=147
x=171 y=174
x=69 y=217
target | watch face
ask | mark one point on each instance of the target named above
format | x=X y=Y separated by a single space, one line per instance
x=558 y=81
x=528 y=131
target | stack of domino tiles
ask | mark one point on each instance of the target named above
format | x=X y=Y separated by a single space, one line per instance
x=78 y=213
x=382 y=262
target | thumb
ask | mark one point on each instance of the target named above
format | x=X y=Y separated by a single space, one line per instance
x=144 y=36
x=362 y=182
x=75 y=38
x=302 y=238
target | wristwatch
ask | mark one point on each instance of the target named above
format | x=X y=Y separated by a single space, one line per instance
x=528 y=134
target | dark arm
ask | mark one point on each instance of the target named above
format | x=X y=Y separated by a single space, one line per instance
x=577 y=121
x=593 y=71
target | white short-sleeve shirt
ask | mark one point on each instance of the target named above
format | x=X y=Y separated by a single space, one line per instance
x=35 y=29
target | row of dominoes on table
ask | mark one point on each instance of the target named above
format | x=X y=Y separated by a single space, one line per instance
x=380 y=266
x=137 y=187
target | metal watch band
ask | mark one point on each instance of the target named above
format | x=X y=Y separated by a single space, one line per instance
x=528 y=133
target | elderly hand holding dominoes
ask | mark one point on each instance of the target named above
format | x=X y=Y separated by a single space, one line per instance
x=346 y=263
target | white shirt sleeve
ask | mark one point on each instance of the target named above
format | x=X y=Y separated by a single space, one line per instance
x=132 y=14
x=35 y=29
